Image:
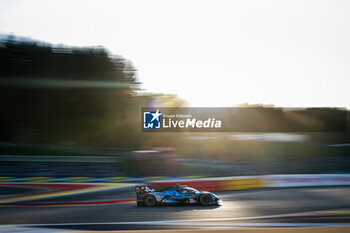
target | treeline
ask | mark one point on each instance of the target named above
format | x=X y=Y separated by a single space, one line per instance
x=87 y=96
x=59 y=93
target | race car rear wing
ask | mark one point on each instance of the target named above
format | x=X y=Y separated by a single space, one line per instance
x=144 y=189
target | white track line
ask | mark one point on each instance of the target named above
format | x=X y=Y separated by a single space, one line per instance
x=201 y=222
x=297 y=214
x=183 y=223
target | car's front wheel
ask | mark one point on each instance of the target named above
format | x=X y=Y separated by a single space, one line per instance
x=150 y=201
x=205 y=199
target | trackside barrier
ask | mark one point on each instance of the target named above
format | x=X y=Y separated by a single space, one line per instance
x=205 y=183
x=303 y=180
x=242 y=183
x=218 y=184
x=266 y=181
x=69 y=179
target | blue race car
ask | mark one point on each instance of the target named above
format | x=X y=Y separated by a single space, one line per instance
x=150 y=196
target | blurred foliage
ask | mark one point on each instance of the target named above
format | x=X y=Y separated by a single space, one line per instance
x=87 y=97
x=69 y=95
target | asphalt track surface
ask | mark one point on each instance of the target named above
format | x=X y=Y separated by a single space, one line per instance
x=251 y=208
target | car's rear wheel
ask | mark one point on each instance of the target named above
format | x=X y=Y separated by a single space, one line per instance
x=205 y=199
x=150 y=201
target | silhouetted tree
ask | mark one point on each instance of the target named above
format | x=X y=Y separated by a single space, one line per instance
x=61 y=93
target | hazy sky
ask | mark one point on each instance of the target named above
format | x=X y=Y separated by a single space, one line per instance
x=210 y=52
